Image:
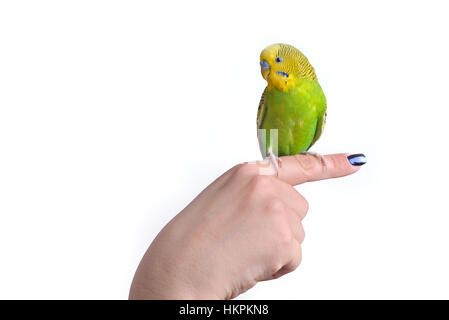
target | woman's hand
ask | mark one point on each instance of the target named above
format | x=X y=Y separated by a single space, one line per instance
x=243 y=228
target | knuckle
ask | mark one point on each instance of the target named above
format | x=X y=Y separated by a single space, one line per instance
x=280 y=232
x=285 y=239
x=291 y=260
x=297 y=257
x=260 y=184
x=302 y=233
x=306 y=206
x=275 y=206
x=244 y=170
x=295 y=263
x=275 y=267
x=283 y=235
x=302 y=205
x=279 y=219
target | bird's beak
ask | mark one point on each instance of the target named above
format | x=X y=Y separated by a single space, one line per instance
x=264 y=68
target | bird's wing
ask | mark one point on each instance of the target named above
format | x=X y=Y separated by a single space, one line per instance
x=262 y=110
x=321 y=122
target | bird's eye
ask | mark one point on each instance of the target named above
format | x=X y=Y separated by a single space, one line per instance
x=278 y=60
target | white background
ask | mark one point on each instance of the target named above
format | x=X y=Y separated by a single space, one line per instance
x=114 y=115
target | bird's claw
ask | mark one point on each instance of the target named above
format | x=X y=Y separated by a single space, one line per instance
x=317 y=155
x=276 y=162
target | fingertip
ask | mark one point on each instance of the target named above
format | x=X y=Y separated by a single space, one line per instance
x=343 y=164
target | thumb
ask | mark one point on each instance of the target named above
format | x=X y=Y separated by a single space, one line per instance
x=301 y=168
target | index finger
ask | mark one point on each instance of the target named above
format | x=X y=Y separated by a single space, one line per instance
x=301 y=168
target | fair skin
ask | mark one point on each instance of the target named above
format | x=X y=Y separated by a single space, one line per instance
x=243 y=228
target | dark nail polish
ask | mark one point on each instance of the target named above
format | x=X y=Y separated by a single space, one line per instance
x=357 y=159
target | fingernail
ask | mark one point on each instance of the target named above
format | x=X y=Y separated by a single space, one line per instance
x=357 y=159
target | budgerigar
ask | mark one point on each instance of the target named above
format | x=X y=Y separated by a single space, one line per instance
x=293 y=103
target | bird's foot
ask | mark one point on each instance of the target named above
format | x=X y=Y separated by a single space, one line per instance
x=318 y=156
x=275 y=162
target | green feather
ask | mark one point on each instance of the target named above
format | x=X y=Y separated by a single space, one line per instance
x=298 y=114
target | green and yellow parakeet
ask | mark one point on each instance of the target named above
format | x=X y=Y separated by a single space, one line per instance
x=293 y=102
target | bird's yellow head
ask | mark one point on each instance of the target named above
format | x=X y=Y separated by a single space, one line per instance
x=282 y=64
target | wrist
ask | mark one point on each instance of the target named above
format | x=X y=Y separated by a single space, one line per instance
x=160 y=281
